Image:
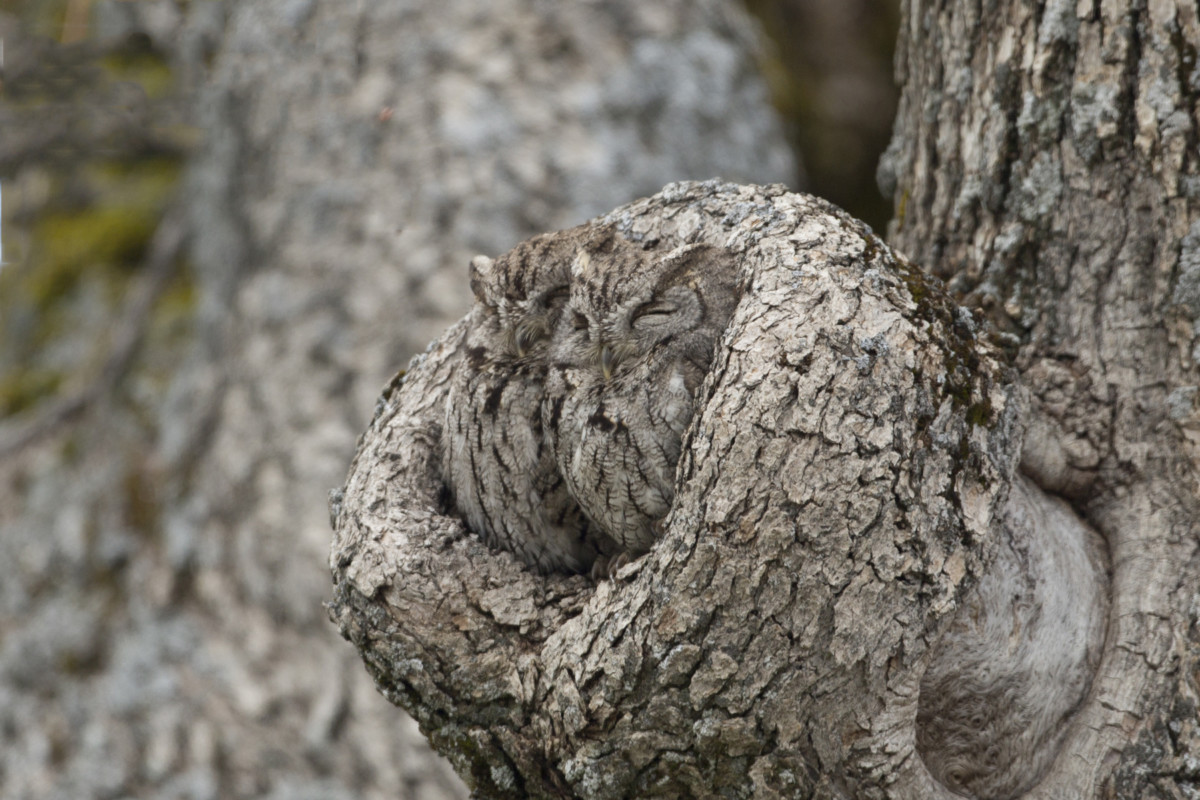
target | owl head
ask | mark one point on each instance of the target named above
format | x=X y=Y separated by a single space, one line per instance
x=629 y=305
x=520 y=296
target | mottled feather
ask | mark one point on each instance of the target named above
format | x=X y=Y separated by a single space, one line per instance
x=629 y=353
x=497 y=464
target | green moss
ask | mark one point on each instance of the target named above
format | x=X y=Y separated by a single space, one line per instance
x=960 y=393
x=959 y=344
x=72 y=243
x=95 y=232
x=110 y=232
x=96 y=195
x=137 y=62
x=980 y=413
x=24 y=389
x=141 y=182
x=918 y=289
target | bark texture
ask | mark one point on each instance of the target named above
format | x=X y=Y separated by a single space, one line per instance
x=841 y=487
x=162 y=629
x=1046 y=161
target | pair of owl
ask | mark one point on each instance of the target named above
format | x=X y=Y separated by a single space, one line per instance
x=565 y=420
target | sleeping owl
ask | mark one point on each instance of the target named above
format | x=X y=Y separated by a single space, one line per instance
x=500 y=473
x=629 y=353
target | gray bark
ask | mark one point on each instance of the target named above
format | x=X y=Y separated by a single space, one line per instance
x=842 y=485
x=162 y=631
x=1045 y=161
x=774 y=643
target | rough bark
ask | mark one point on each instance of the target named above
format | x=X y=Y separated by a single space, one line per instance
x=1046 y=161
x=162 y=630
x=841 y=487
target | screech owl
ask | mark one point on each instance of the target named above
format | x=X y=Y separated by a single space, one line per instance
x=497 y=465
x=629 y=353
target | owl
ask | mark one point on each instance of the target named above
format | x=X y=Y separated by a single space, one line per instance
x=630 y=351
x=501 y=476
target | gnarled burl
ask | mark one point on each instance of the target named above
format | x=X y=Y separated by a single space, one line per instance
x=853 y=594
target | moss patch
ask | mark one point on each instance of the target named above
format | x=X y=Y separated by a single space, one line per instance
x=136 y=61
x=23 y=389
x=966 y=384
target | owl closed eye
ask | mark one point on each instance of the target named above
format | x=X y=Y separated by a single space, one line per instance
x=521 y=307
x=638 y=336
x=656 y=313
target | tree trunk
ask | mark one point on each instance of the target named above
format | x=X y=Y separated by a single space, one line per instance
x=162 y=628
x=1046 y=162
x=849 y=478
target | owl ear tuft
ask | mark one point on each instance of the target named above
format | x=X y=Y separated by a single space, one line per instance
x=481 y=272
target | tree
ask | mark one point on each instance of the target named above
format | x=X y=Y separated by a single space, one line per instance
x=1044 y=162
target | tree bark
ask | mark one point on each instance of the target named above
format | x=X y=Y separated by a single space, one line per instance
x=1046 y=162
x=161 y=623
x=838 y=491
x=773 y=643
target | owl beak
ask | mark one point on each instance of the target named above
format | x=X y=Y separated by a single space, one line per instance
x=608 y=360
x=522 y=342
